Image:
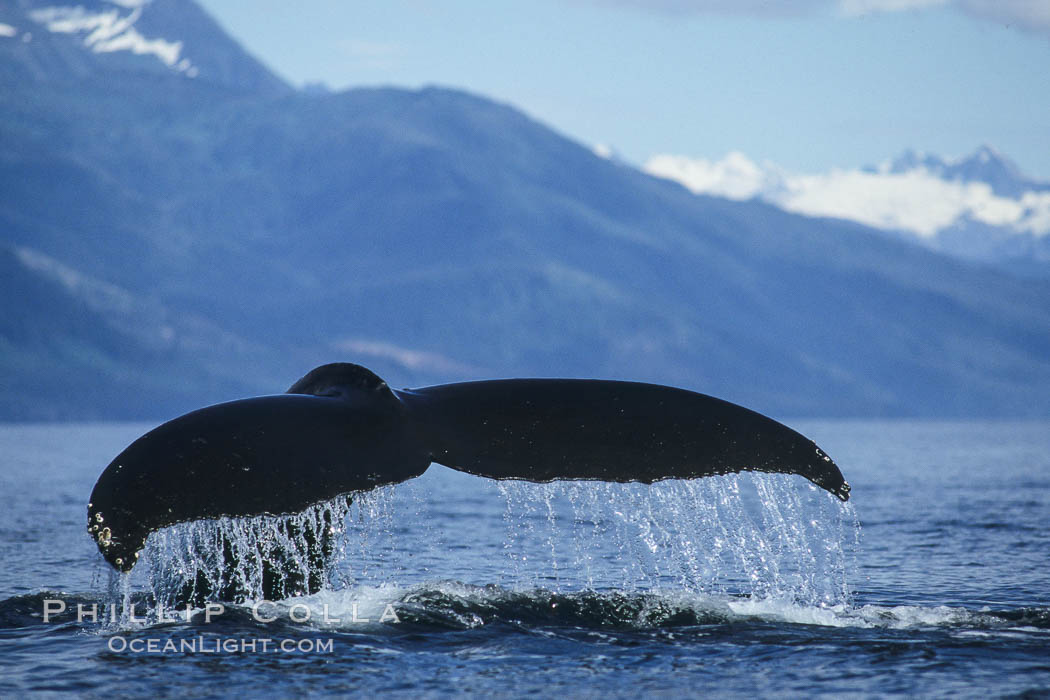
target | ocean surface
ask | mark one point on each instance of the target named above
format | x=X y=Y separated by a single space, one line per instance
x=934 y=581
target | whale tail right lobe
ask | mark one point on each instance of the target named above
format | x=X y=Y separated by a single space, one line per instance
x=552 y=429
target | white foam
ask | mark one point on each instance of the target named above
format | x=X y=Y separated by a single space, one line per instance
x=338 y=609
x=352 y=608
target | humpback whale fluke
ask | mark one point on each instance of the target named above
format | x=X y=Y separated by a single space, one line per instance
x=341 y=429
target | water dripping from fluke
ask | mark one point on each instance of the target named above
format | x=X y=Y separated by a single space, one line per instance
x=750 y=537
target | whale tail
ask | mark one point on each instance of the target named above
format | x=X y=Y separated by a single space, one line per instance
x=341 y=429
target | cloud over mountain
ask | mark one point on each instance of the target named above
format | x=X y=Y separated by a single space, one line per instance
x=919 y=200
x=920 y=194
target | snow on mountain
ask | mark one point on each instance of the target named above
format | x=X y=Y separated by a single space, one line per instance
x=925 y=196
x=97 y=43
x=111 y=27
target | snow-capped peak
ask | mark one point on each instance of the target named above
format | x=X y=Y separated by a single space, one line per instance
x=112 y=28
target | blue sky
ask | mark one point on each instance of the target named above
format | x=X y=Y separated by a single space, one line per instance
x=808 y=84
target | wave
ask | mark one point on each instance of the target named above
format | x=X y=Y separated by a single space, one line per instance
x=718 y=553
x=453 y=605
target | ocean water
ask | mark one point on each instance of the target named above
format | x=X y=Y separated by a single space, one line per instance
x=933 y=581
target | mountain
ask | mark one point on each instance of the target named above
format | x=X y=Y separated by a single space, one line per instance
x=985 y=165
x=980 y=207
x=1017 y=236
x=73 y=346
x=174 y=237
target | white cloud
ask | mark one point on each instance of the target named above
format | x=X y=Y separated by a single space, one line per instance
x=734 y=177
x=7 y=30
x=853 y=8
x=916 y=201
x=1036 y=219
x=774 y=8
x=1029 y=15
